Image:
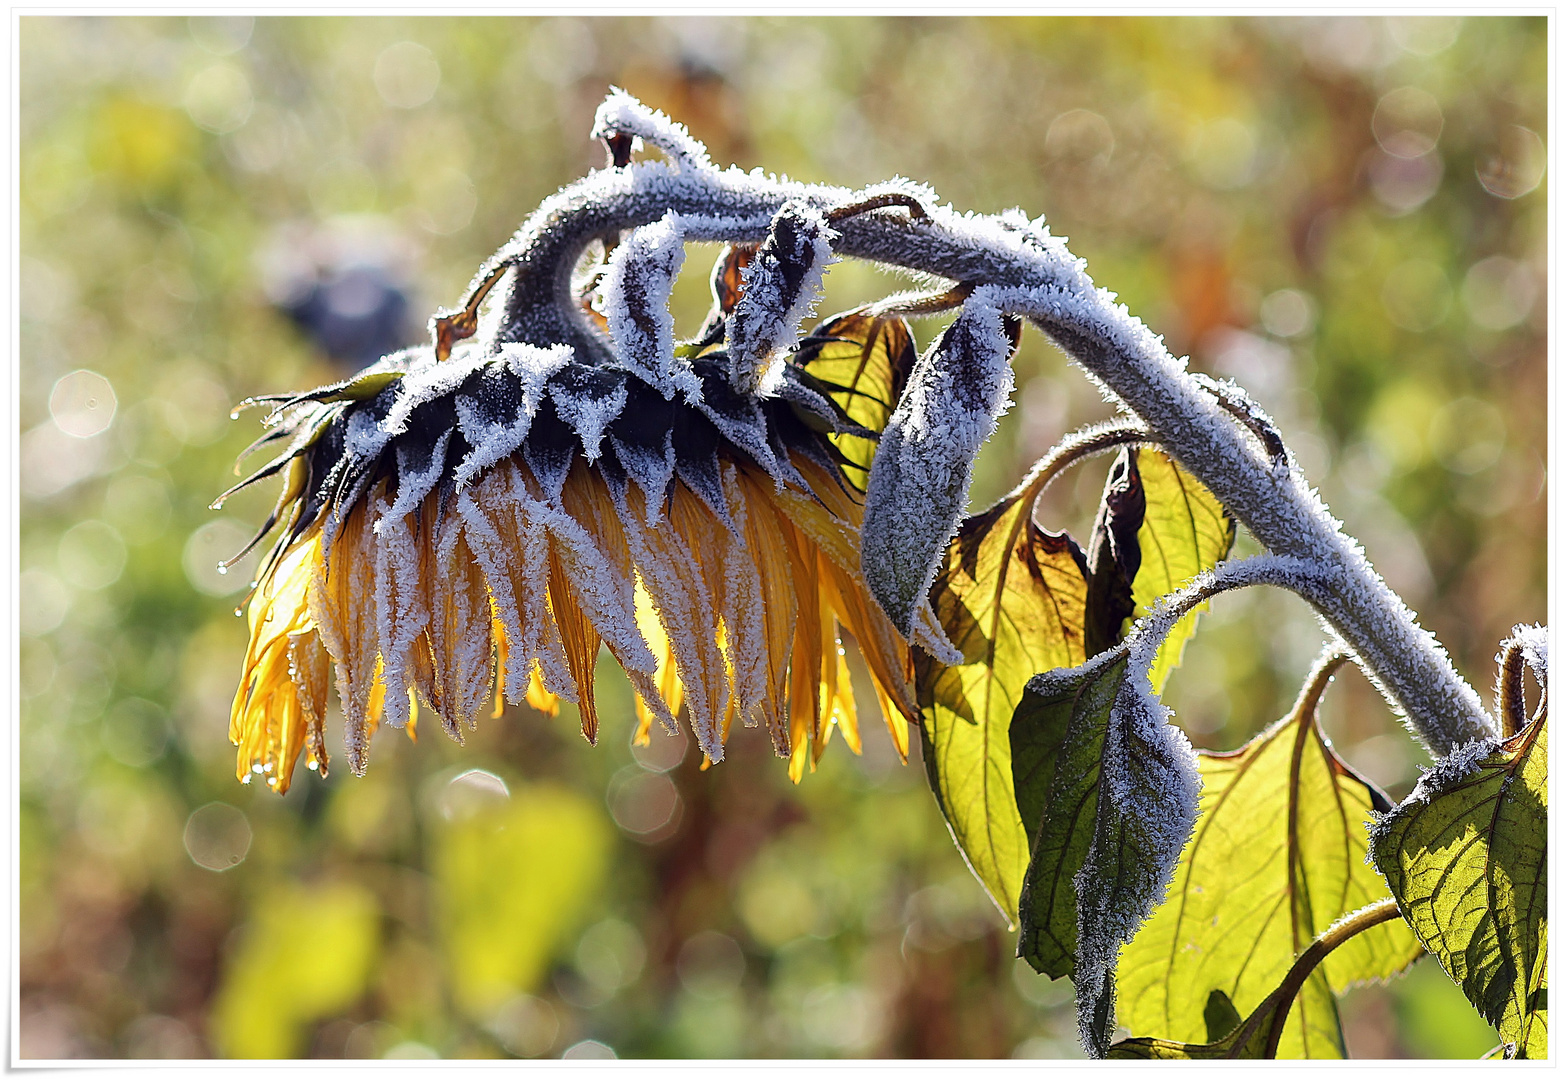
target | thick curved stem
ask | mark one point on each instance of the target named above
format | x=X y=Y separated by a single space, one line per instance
x=1029 y=273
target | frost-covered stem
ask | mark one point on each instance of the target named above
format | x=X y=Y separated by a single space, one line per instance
x=1306 y=579
x=1026 y=272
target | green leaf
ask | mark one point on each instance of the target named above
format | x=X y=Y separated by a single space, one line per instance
x=1278 y=855
x=1465 y=856
x=1058 y=738
x=1185 y=531
x=862 y=363
x=1010 y=597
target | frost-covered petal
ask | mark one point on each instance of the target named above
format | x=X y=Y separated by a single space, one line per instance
x=587 y=399
x=496 y=414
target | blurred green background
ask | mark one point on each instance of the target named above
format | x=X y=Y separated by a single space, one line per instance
x=1347 y=215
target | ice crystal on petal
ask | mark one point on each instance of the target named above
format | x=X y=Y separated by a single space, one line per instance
x=587 y=399
x=488 y=418
x=401 y=611
x=919 y=481
x=419 y=469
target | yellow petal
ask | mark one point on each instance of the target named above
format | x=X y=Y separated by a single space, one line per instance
x=580 y=640
x=674 y=580
x=750 y=494
x=461 y=646
x=540 y=699
x=342 y=604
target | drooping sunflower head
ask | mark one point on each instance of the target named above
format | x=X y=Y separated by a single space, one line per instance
x=471 y=521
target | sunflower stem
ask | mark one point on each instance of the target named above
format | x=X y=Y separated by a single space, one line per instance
x=1022 y=270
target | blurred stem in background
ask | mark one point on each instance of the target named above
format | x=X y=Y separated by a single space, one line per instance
x=1346 y=215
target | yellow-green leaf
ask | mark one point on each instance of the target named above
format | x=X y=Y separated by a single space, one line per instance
x=1278 y=855
x=1185 y=531
x=1301 y=990
x=305 y=955
x=1465 y=856
x=512 y=881
x=1010 y=597
x=862 y=363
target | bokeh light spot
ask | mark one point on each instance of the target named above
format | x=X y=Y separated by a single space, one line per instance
x=646 y=805
x=1407 y=122
x=219 y=99
x=91 y=555
x=663 y=752
x=525 y=1025
x=1515 y=165
x=710 y=965
x=406 y=75
x=136 y=732
x=473 y=792
x=217 y=836
x=82 y=404
x=589 y=1050
x=1498 y=292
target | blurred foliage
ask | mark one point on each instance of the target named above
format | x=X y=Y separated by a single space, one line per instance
x=1347 y=215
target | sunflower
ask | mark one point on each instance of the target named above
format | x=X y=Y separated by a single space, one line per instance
x=470 y=521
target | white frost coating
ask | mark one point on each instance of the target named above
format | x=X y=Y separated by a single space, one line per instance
x=605 y=597
x=782 y=284
x=919 y=483
x=401 y=612
x=1534 y=640
x=651 y=472
x=1448 y=771
x=624 y=114
x=428 y=379
x=414 y=484
x=636 y=294
x=363 y=437
x=588 y=415
x=491 y=441
x=1148 y=790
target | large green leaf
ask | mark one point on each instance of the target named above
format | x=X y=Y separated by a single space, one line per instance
x=1011 y=598
x=1279 y=854
x=1058 y=736
x=1185 y=531
x=1465 y=856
